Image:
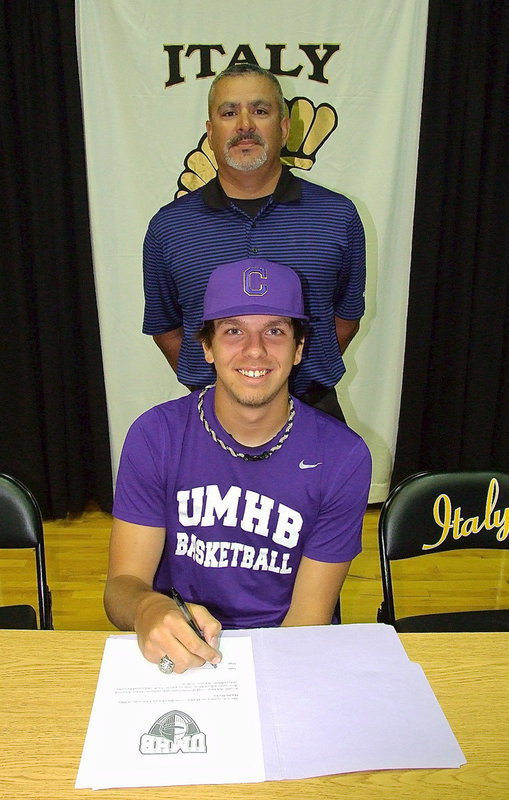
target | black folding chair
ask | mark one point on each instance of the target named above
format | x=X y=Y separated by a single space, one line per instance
x=436 y=511
x=21 y=527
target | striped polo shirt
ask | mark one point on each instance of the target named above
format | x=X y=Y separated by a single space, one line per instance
x=315 y=231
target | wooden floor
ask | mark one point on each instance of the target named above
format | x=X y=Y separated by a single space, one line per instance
x=77 y=551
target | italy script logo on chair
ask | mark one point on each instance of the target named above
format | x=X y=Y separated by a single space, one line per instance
x=174 y=732
x=451 y=521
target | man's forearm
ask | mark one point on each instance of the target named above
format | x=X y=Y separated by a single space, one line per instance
x=346 y=329
x=169 y=344
x=309 y=614
x=160 y=625
x=315 y=593
x=122 y=596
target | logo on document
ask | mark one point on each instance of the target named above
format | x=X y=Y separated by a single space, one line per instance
x=174 y=732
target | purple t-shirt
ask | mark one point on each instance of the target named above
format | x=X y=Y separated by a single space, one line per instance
x=236 y=530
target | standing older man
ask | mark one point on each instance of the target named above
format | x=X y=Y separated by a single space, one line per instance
x=256 y=207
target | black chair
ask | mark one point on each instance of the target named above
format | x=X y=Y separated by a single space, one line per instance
x=21 y=527
x=436 y=511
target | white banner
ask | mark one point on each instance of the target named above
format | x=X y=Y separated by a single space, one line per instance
x=351 y=71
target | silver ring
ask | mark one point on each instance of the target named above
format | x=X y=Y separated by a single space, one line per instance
x=166 y=665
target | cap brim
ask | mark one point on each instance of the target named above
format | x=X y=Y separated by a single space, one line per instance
x=251 y=310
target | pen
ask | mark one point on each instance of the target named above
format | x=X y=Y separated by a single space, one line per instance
x=187 y=614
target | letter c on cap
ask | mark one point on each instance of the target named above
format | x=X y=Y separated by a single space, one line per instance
x=255 y=281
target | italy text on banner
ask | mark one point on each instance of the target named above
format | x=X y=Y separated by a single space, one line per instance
x=351 y=72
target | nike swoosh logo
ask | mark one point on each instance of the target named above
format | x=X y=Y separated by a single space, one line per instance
x=308 y=466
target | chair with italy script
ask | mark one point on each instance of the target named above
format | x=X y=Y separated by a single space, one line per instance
x=21 y=527
x=433 y=512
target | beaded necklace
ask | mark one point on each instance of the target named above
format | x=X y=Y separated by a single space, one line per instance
x=230 y=450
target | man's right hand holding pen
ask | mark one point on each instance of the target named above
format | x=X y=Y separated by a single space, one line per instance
x=132 y=604
x=163 y=629
x=160 y=624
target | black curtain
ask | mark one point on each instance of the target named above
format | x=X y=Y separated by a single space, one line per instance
x=455 y=397
x=54 y=430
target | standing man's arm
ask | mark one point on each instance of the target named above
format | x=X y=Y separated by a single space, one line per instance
x=350 y=299
x=131 y=603
x=169 y=344
x=162 y=310
x=345 y=331
x=315 y=593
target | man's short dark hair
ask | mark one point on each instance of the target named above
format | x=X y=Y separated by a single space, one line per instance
x=206 y=332
x=245 y=68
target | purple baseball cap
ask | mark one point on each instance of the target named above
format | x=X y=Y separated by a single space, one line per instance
x=253 y=286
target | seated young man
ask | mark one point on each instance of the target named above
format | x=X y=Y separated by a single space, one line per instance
x=245 y=500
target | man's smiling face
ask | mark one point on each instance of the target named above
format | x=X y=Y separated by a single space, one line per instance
x=253 y=356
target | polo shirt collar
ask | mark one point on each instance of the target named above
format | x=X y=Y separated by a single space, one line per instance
x=287 y=190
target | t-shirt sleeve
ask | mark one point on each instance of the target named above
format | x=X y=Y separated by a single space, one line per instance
x=337 y=533
x=350 y=298
x=140 y=492
x=162 y=311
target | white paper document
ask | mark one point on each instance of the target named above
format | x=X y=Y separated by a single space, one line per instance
x=284 y=703
x=349 y=700
x=151 y=729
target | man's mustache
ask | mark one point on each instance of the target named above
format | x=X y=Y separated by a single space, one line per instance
x=245 y=137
